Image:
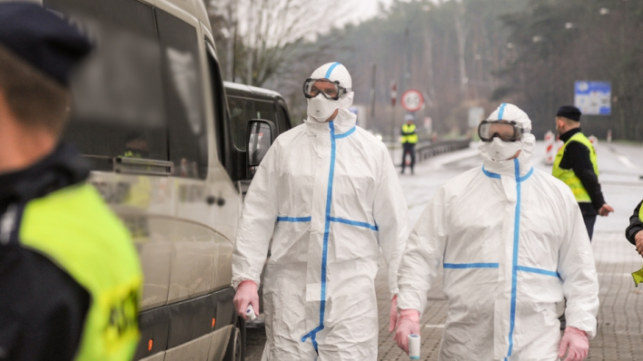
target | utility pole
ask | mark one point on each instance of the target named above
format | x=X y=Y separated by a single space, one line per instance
x=429 y=54
x=461 y=31
x=374 y=73
x=393 y=102
x=406 y=68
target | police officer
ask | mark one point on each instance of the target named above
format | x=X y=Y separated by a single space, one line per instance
x=69 y=275
x=409 y=140
x=576 y=165
x=633 y=232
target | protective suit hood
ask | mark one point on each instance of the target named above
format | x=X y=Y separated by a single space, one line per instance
x=494 y=152
x=320 y=108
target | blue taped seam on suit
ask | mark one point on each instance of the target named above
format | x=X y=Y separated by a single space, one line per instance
x=501 y=111
x=329 y=197
x=330 y=70
x=529 y=174
x=294 y=219
x=497 y=176
x=470 y=265
x=354 y=223
x=489 y=174
x=344 y=135
x=538 y=271
x=514 y=276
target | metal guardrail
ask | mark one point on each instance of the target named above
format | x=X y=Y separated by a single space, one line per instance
x=431 y=150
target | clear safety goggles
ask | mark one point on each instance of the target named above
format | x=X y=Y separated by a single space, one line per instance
x=329 y=89
x=507 y=131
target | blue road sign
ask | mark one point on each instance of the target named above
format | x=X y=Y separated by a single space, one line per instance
x=593 y=97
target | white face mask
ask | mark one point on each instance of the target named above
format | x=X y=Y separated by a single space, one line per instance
x=320 y=108
x=497 y=150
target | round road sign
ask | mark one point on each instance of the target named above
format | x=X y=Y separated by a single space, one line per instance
x=412 y=100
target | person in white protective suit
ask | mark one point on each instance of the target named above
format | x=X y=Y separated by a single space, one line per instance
x=328 y=195
x=512 y=243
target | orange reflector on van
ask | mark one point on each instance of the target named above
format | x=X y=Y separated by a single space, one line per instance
x=150 y=344
x=214 y=322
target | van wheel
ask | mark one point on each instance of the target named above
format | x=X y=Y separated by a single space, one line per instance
x=236 y=345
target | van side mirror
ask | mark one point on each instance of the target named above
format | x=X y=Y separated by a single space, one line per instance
x=261 y=135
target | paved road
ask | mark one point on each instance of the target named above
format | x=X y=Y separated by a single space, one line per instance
x=620 y=319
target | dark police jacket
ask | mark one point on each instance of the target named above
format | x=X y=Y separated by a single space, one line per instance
x=62 y=256
x=576 y=158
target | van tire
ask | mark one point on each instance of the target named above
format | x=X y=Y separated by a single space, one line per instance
x=237 y=344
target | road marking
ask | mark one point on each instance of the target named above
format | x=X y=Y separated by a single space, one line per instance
x=622 y=158
x=434 y=326
x=626 y=161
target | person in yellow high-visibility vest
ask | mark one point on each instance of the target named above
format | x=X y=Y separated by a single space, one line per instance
x=409 y=140
x=633 y=232
x=70 y=278
x=575 y=164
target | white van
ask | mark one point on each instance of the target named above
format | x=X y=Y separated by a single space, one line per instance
x=150 y=113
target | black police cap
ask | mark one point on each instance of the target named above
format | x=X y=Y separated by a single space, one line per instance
x=569 y=112
x=42 y=39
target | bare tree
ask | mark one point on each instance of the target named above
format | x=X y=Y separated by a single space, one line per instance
x=268 y=31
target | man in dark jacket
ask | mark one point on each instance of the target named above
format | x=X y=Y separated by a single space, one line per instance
x=576 y=165
x=409 y=140
x=632 y=232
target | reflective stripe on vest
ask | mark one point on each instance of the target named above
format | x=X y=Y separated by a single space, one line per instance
x=641 y=213
x=568 y=176
x=410 y=139
x=76 y=230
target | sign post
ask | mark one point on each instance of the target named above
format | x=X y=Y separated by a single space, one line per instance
x=393 y=102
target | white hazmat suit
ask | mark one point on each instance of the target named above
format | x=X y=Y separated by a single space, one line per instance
x=328 y=195
x=512 y=243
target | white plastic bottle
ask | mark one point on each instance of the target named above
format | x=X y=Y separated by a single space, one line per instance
x=250 y=313
x=414 y=347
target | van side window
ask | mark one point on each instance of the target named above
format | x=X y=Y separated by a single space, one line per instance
x=266 y=111
x=220 y=109
x=241 y=111
x=283 y=121
x=188 y=145
x=117 y=95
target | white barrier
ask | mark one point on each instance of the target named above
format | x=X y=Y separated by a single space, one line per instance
x=551 y=150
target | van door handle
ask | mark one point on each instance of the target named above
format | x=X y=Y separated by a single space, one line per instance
x=211 y=200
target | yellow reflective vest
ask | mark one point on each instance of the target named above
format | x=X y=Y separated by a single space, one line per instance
x=641 y=214
x=568 y=176
x=76 y=230
x=409 y=136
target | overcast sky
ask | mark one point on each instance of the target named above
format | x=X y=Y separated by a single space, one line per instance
x=364 y=9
